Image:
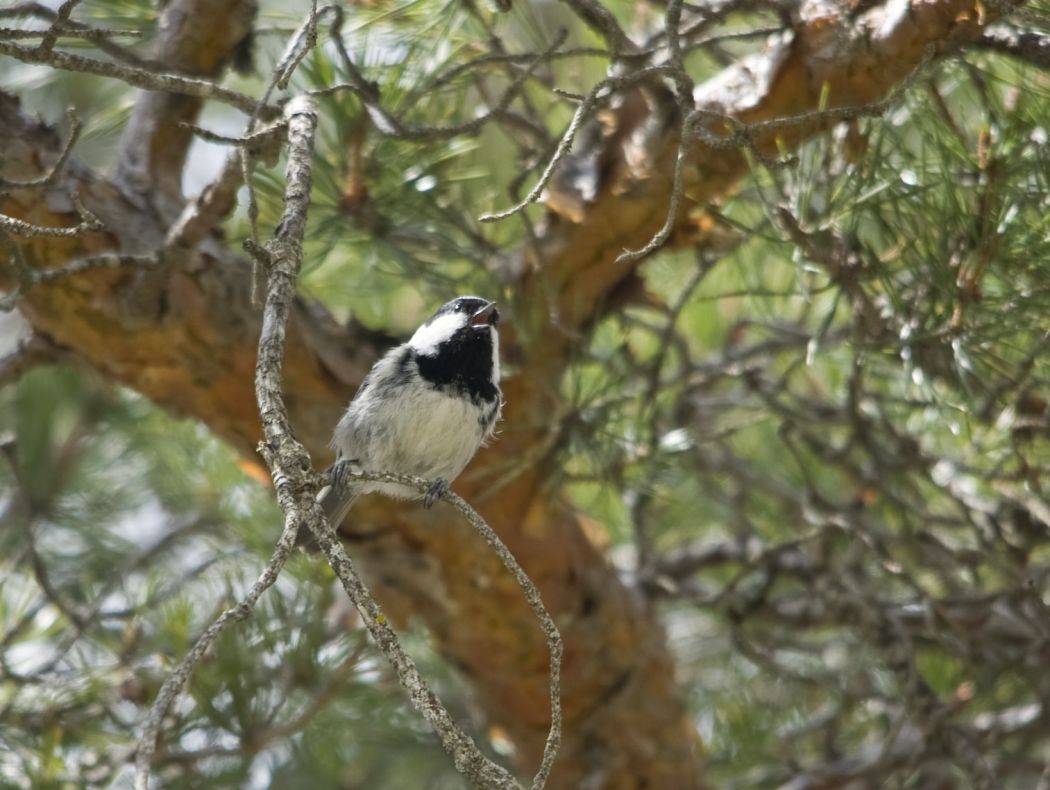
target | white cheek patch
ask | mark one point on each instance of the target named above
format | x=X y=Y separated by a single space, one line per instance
x=429 y=336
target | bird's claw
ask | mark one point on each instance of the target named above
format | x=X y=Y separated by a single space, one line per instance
x=339 y=473
x=436 y=491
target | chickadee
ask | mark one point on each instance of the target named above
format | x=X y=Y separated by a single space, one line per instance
x=424 y=409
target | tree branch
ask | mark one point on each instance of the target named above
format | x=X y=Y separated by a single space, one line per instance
x=290 y=463
x=136 y=77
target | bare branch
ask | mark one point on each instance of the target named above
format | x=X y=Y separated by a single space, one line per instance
x=601 y=20
x=88 y=222
x=746 y=136
x=597 y=97
x=290 y=463
x=394 y=127
x=532 y=595
x=137 y=77
x=217 y=200
x=27 y=277
x=52 y=173
x=61 y=18
x=302 y=120
x=174 y=683
x=464 y=752
x=684 y=99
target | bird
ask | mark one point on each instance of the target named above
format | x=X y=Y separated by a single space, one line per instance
x=424 y=408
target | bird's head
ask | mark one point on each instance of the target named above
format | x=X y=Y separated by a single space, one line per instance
x=459 y=343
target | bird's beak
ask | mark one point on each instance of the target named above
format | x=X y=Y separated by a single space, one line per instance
x=486 y=316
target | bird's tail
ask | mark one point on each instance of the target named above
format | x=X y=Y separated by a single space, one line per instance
x=335 y=501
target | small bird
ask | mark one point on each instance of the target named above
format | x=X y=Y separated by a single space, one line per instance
x=424 y=409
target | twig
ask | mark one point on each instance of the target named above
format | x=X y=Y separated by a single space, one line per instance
x=88 y=222
x=744 y=135
x=287 y=250
x=465 y=754
x=52 y=173
x=528 y=587
x=47 y=43
x=100 y=37
x=596 y=97
x=600 y=19
x=217 y=199
x=265 y=137
x=303 y=40
x=136 y=77
x=514 y=59
x=290 y=463
x=28 y=277
x=172 y=686
x=1030 y=47
x=684 y=100
x=43 y=580
x=392 y=126
x=74 y=30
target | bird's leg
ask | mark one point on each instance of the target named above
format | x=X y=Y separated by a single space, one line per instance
x=435 y=491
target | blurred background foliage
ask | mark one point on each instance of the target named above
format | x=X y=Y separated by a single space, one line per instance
x=822 y=448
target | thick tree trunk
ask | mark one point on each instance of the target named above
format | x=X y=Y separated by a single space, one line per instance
x=187 y=341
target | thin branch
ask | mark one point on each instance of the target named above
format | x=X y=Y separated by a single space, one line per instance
x=52 y=174
x=100 y=37
x=172 y=686
x=465 y=754
x=595 y=98
x=43 y=580
x=304 y=40
x=28 y=277
x=392 y=126
x=287 y=257
x=684 y=100
x=290 y=463
x=601 y=20
x=264 y=138
x=528 y=587
x=136 y=77
x=514 y=59
x=88 y=222
x=47 y=43
x=216 y=200
x=745 y=136
x=73 y=30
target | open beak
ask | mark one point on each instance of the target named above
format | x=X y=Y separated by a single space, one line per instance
x=486 y=316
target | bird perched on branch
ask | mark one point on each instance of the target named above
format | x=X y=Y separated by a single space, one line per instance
x=424 y=409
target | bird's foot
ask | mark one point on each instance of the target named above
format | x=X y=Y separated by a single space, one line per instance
x=436 y=491
x=339 y=472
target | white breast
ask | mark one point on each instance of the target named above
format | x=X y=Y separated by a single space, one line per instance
x=411 y=429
